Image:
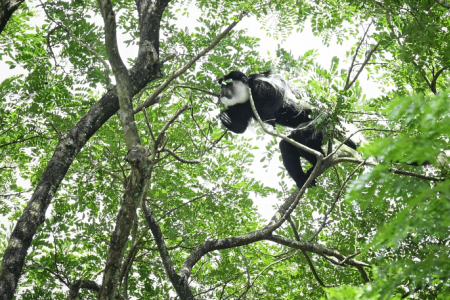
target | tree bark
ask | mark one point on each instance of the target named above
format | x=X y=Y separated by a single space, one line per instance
x=8 y=7
x=147 y=68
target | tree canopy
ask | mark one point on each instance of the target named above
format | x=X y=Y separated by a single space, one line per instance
x=117 y=180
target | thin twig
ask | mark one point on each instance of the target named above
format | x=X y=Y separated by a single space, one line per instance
x=112 y=174
x=352 y=134
x=393 y=170
x=368 y=56
x=352 y=65
x=262 y=271
x=184 y=204
x=196 y=89
x=149 y=126
x=183 y=160
x=325 y=217
x=310 y=264
x=247 y=268
x=166 y=126
x=224 y=284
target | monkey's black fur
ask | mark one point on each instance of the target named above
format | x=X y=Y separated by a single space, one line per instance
x=275 y=105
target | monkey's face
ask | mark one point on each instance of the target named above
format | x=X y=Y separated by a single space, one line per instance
x=234 y=92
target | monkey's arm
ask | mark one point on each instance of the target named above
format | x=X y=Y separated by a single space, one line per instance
x=236 y=117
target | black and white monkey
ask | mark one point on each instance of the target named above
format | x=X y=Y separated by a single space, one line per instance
x=275 y=104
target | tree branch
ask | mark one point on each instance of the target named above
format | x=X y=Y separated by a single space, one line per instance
x=435 y=78
x=393 y=170
x=146 y=69
x=184 y=204
x=354 y=56
x=431 y=85
x=166 y=126
x=352 y=134
x=224 y=284
x=325 y=217
x=112 y=174
x=123 y=80
x=262 y=272
x=317 y=249
x=56 y=274
x=196 y=89
x=74 y=288
x=443 y=4
x=310 y=264
x=291 y=203
x=8 y=7
x=179 y=283
x=19 y=141
x=137 y=157
x=180 y=159
x=192 y=61
x=368 y=56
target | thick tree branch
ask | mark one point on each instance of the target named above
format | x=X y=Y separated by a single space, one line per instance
x=435 y=78
x=146 y=69
x=178 y=282
x=124 y=88
x=219 y=244
x=137 y=157
x=74 y=289
x=258 y=235
x=126 y=264
x=135 y=190
x=8 y=7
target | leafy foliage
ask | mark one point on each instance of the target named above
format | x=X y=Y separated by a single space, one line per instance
x=386 y=220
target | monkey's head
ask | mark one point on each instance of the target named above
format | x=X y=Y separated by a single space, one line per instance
x=234 y=88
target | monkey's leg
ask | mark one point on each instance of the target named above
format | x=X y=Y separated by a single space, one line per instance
x=292 y=155
x=292 y=163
